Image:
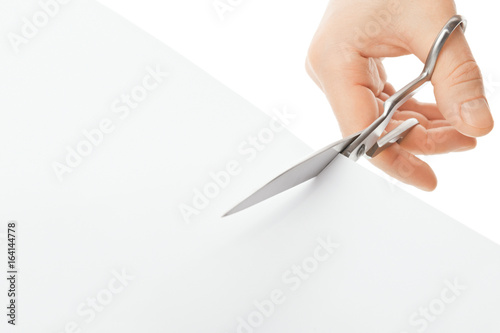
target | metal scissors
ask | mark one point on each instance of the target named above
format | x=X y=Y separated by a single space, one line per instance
x=367 y=142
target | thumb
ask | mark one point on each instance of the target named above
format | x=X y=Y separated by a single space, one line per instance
x=458 y=85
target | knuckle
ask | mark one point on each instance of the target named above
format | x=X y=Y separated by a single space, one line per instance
x=315 y=55
x=429 y=146
x=465 y=71
x=324 y=53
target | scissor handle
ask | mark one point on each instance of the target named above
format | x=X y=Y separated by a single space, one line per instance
x=369 y=137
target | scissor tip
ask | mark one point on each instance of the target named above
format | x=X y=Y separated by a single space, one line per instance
x=233 y=210
x=227 y=213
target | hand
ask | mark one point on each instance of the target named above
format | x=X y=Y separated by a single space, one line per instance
x=345 y=61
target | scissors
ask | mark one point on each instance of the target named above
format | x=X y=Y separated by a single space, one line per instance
x=365 y=143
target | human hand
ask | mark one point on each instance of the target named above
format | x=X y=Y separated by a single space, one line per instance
x=345 y=61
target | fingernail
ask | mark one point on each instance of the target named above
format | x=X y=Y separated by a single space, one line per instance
x=459 y=150
x=476 y=113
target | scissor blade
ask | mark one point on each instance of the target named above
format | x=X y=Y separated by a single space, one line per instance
x=301 y=172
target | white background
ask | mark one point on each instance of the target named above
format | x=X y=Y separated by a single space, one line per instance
x=259 y=49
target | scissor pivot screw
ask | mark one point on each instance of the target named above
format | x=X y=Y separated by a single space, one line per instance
x=361 y=151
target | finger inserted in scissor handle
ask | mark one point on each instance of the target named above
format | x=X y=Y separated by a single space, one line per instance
x=396 y=135
x=369 y=138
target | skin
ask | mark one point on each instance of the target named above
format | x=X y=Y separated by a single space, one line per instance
x=345 y=61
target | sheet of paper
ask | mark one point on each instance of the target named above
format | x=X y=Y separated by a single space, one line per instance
x=118 y=158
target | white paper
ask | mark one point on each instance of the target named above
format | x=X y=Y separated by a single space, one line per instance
x=106 y=248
